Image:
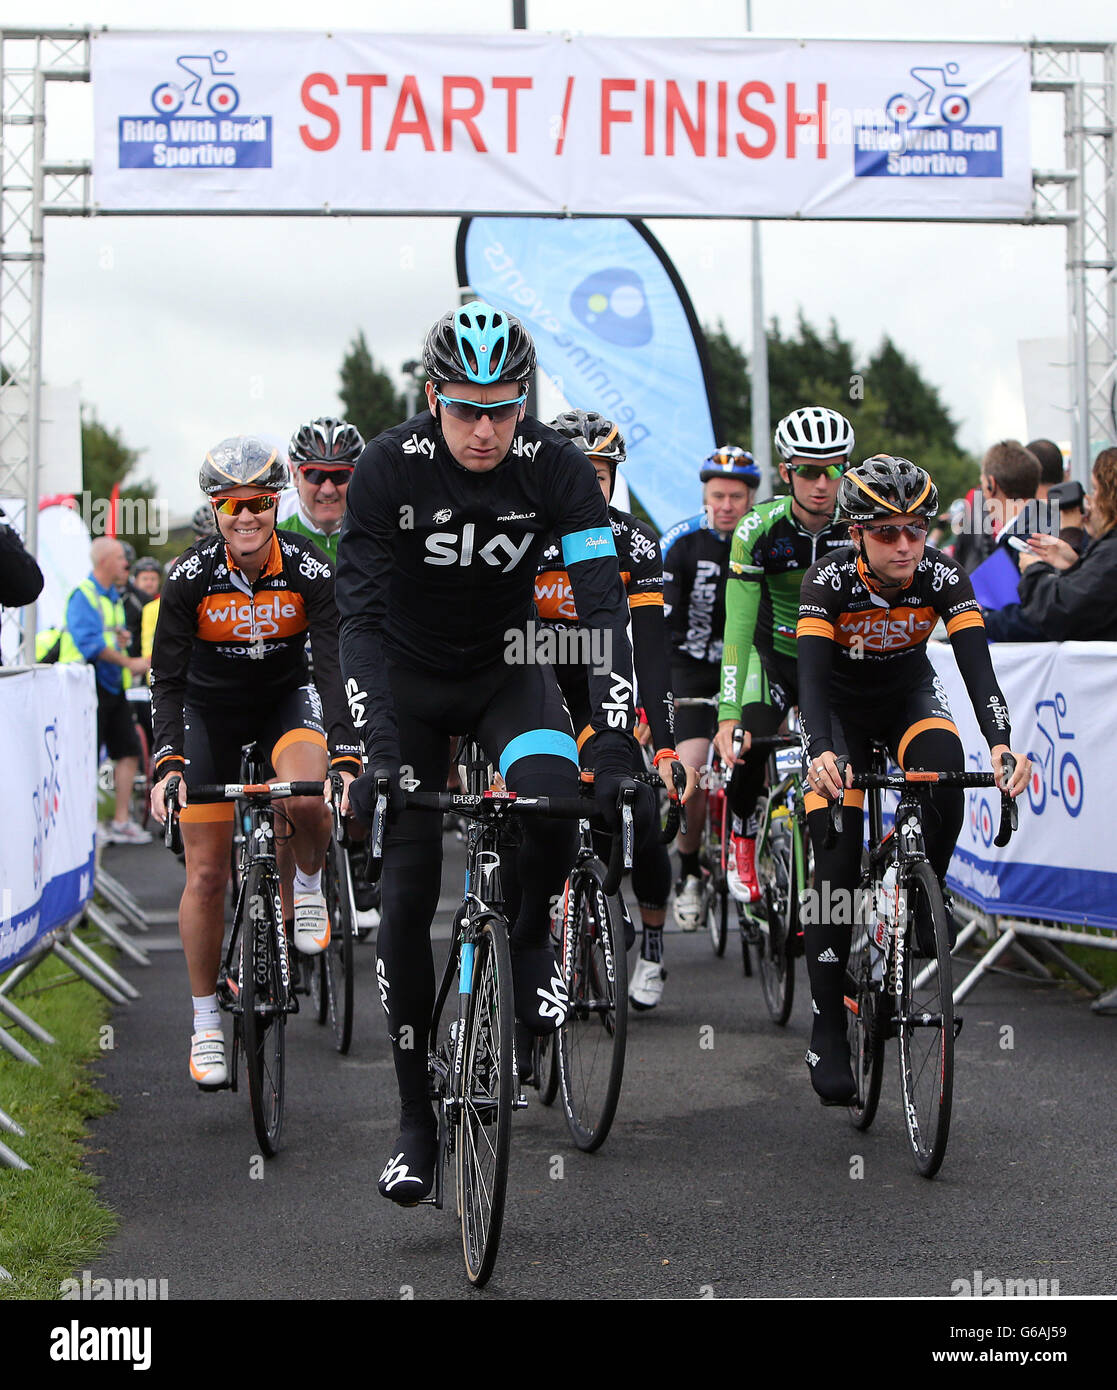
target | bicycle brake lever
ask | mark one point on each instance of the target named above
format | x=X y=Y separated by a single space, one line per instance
x=172 y=831
x=1010 y=810
x=374 y=862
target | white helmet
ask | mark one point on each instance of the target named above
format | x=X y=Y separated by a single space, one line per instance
x=814 y=432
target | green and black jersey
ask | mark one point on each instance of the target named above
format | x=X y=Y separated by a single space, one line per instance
x=770 y=554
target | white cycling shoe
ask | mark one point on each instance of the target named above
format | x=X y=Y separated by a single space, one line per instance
x=645 y=988
x=688 y=903
x=312 y=923
x=207 y=1059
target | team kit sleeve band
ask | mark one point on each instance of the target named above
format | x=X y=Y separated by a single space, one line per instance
x=587 y=545
x=551 y=742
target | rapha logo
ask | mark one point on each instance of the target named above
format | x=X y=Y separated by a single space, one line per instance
x=443 y=515
x=415 y=445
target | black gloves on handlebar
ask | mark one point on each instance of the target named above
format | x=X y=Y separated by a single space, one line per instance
x=613 y=762
x=362 y=793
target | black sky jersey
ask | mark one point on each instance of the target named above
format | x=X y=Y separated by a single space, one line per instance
x=695 y=566
x=222 y=643
x=642 y=576
x=856 y=648
x=437 y=565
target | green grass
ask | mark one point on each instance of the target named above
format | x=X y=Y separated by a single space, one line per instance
x=50 y=1220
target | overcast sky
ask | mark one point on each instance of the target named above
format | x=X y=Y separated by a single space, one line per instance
x=182 y=331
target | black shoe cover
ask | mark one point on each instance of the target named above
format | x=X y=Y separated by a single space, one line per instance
x=541 y=998
x=408 y=1175
x=831 y=1073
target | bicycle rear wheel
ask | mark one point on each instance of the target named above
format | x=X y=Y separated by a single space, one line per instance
x=779 y=903
x=591 y=1042
x=263 y=997
x=926 y=1024
x=866 y=1004
x=483 y=1125
x=337 y=959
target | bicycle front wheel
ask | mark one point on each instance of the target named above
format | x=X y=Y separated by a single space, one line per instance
x=591 y=1042
x=779 y=903
x=717 y=888
x=337 y=959
x=483 y=1125
x=263 y=998
x=926 y=1024
x=865 y=1004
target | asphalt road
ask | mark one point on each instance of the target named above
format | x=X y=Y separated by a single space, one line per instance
x=722 y=1176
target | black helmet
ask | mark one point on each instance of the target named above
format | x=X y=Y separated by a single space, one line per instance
x=204 y=522
x=129 y=552
x=148 y=562
x=326 y=440
x=597 y=437
x=242 y=461
x=886 y=486
x=480 y=344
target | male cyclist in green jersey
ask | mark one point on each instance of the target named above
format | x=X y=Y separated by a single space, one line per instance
x=323 y=454
x=773 y=547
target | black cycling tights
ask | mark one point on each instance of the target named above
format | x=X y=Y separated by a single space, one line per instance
x=512 y=710
x=827 y=931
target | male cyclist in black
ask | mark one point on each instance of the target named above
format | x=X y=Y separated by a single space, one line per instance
x=447 y=516
x=695 y=570
x=642 y=575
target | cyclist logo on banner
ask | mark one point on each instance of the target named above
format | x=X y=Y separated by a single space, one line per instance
x=922 y=131
x=1056 y=772
x=939 y=97
x=206 y=86
x=45 y=801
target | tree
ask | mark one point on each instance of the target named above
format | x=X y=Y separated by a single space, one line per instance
x=367 y=393
x=107 y=461
x=892 y=409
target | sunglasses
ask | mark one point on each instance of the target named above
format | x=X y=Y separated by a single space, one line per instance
x=233 y=506
x=813 y=471
x=889 y=535
x=471 y=411
x=338 y=476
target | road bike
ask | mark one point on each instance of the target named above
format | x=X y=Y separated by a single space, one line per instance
x=784 y=869
x=713 y=848
x=255 y=982
x=899 y=911
x=331 y=973
x=472 y=1063
x=593 y=956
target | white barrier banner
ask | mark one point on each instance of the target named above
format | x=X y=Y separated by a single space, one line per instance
x=1059 y=864
x=546 y=123
x=48 y=813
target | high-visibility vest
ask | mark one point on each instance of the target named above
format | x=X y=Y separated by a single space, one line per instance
x=112 y=617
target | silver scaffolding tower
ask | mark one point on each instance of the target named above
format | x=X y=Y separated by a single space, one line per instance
x=1082 y=196
x=30 y=188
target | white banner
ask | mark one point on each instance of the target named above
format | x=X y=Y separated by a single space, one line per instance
x=1059 y=863
x=545 y=123
x=48 y=814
